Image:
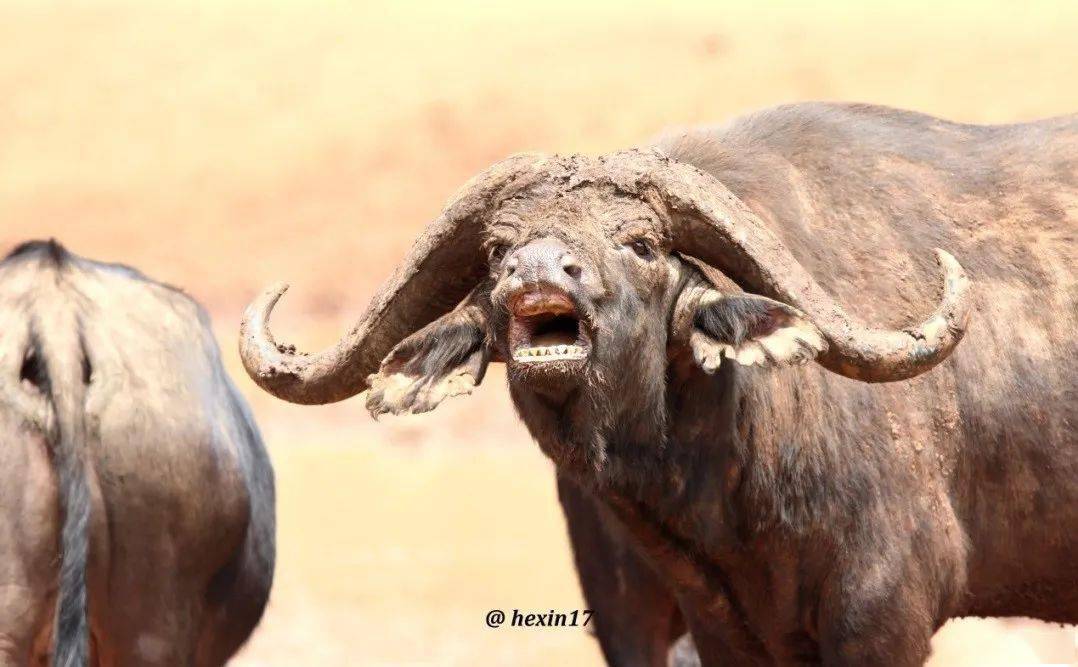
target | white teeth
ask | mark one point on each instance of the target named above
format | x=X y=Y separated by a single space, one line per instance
x=549 y=353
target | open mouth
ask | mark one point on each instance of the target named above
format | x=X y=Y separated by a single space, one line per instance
x=545 y=327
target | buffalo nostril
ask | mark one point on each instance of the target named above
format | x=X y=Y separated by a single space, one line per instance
x=571 y=267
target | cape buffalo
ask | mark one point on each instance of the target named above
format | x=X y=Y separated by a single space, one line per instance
x=136 y=497
x=653 y=307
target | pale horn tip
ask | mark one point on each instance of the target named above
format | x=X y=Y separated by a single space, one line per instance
x=263 y=359
x=955 y=305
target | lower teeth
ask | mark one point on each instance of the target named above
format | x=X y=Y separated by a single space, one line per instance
x=549 y=353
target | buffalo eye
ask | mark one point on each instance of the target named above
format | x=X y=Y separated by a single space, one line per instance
x=641 y=248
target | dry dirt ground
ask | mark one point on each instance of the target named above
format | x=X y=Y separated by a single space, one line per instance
x=222 y=146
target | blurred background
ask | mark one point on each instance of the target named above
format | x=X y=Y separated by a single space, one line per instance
x=222 y=146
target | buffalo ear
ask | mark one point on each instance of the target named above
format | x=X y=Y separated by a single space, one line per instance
x=751 y=330
x=448 y=357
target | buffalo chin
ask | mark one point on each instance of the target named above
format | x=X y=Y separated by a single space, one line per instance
x=553 y=378
x=550 y=366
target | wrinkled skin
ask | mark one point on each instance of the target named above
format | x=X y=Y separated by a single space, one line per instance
x=174 y=551
x=792 y=515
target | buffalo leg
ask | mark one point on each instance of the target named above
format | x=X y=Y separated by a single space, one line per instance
x=21 y=616
x=29 y=525
x=238 y=593
x=636 y=619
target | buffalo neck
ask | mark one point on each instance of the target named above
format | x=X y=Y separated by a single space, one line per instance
x=749 y=451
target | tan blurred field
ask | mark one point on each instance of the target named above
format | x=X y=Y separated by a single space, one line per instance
x=222 y=146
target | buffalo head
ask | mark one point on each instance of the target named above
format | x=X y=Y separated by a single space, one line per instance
x=587 y=276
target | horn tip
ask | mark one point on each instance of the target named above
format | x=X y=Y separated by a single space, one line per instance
x=264 y=302
x=954 y=309
x=956 y=282
x=946 y=260
x=255 y=336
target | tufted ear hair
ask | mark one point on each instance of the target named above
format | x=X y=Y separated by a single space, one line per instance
x=448 y=357
x=748 y=329
x=753 y=331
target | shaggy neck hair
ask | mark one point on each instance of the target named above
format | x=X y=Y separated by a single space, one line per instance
x=612 y=427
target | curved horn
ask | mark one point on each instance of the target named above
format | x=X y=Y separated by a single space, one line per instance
x=442 y=267
x=715 y=226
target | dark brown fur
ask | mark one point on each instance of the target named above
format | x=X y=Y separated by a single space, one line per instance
x=793 y=515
